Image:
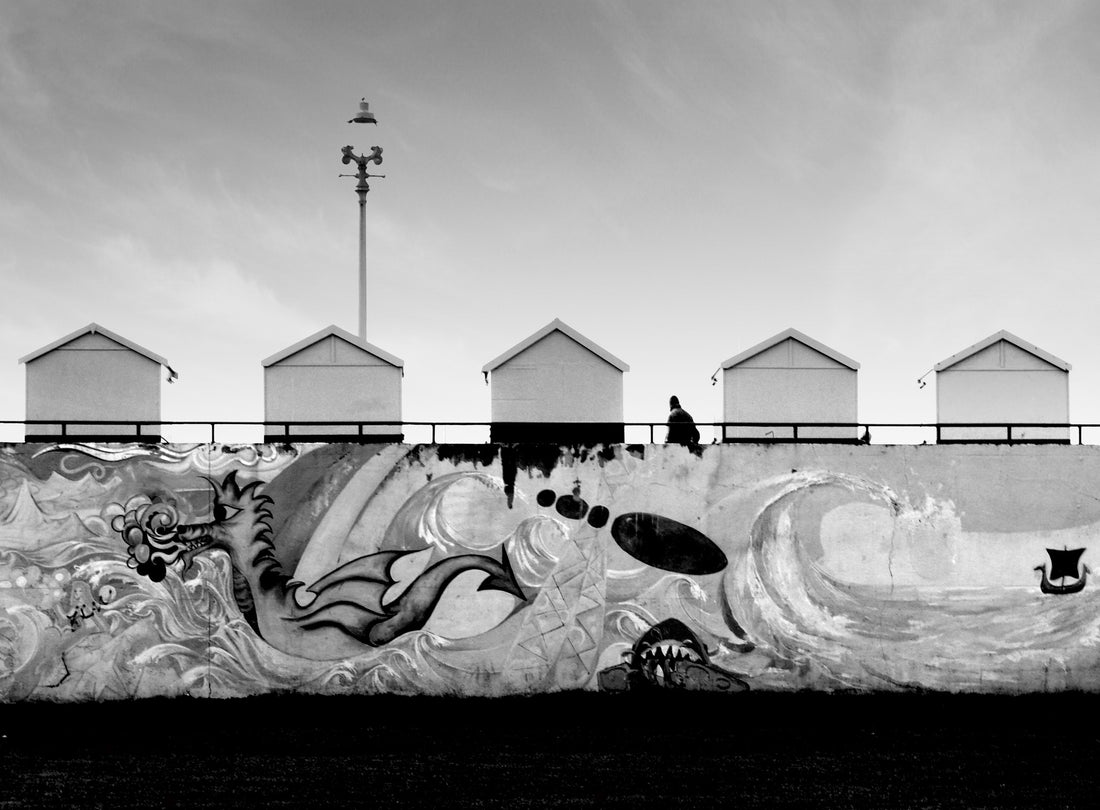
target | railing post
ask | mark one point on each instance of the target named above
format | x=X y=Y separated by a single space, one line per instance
x=937 y=433
x=433 y=432
x=794 y=433
x=651 y=441
x=1079 y=439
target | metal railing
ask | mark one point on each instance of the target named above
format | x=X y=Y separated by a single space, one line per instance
x=435 y=431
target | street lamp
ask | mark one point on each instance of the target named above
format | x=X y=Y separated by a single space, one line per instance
x=363 y=116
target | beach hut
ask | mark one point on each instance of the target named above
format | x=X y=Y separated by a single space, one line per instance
x=90 y=377
x=790 y=378
x=335 y=377
x=1005 y=381
x=556 y=386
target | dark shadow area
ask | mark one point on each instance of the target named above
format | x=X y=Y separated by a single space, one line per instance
x=559 y=433
x=569 y=750
x=86 y=438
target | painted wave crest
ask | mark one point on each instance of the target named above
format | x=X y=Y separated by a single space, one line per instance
x=859 y=636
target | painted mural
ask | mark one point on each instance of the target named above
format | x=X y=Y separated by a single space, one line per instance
x=131 y=571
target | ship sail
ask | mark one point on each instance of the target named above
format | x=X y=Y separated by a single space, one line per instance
x=1065 y=562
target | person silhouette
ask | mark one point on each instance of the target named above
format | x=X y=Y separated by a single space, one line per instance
x=681 y=427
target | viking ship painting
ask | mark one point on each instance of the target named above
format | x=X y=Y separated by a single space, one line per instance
x=1064 y=564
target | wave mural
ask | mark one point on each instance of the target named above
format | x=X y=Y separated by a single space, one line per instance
x=131 y=571
x=881 y=636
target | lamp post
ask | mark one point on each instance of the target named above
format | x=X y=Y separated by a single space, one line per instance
x=363 y=116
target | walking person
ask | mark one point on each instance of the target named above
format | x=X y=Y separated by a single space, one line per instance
x=681 y=427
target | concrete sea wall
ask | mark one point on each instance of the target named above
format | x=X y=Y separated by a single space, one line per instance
x=131 y=571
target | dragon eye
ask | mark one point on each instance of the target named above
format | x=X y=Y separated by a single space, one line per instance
x=223 y=512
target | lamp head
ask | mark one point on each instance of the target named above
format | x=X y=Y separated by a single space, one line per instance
x=364 y=116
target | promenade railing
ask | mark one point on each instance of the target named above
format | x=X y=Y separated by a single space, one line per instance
x=462 y=432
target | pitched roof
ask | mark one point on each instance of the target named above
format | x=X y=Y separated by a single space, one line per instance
x=1009 y=338
x=801 y=338
x=569 y=332
x=334 y=331
x=96 y=329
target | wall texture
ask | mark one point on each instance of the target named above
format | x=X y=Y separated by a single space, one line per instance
x=129 y=571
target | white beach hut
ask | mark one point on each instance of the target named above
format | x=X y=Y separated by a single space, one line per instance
x=790 y=377
x=1005 y=381
x=557 y=386
x=332 y=376
x=89 y=377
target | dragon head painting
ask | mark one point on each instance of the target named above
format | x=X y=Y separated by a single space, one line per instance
x=156 y=540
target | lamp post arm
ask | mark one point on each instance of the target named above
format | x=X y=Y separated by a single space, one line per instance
x=361 y=188
x=375 y=156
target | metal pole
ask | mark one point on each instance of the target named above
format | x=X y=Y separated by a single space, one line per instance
x=362 y=189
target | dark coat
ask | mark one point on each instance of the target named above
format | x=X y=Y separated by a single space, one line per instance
x=681 y=428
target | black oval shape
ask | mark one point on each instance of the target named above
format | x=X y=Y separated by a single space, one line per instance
x=597 y=518
x=572 y=507
x=667 y=544
x=546 y=497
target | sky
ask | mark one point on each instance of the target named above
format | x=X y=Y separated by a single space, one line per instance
x=676 y=181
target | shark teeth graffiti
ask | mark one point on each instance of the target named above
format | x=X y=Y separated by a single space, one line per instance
x=668 y=652
x=669 y=655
